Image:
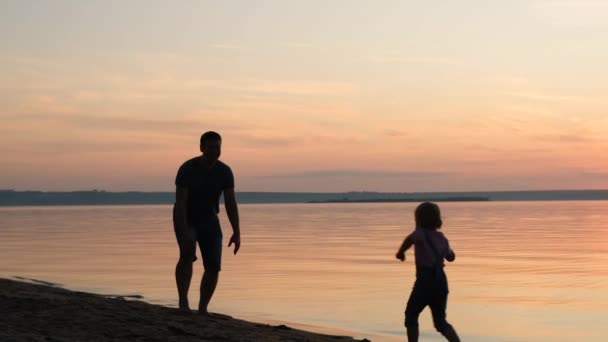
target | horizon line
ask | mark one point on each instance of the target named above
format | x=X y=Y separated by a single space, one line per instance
x=309 y=192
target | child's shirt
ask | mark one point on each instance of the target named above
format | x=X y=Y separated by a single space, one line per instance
x=425 y=257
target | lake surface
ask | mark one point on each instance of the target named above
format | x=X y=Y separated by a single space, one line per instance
x=525 y=271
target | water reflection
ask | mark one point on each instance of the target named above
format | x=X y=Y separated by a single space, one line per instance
x=526 y=271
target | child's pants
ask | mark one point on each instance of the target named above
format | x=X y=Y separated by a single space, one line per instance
x=430 y=288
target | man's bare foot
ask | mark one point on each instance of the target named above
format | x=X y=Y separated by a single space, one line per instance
x=185 y=311
x=184 y=307
x=204 y=313
x=215 y=315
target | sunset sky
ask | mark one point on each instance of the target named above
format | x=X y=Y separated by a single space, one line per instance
x=308 y=95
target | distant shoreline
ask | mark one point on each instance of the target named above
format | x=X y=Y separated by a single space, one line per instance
x=100 y=197
x=399 y=200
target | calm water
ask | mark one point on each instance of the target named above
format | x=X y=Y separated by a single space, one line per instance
x=525 y=271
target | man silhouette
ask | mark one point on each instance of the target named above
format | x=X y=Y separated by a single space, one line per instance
x=199 y=183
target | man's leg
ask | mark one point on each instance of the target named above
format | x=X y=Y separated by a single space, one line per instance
x=183 y=269
x=208 y=285
x=211 y=250
x=183 y=277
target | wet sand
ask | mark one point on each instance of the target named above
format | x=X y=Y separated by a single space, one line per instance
x=41 y=312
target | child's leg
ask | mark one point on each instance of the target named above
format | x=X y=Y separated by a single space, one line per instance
x=415 y=305
x=438 y=306
x=412 y=334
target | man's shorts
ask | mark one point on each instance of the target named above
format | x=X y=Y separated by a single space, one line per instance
x=209 y=236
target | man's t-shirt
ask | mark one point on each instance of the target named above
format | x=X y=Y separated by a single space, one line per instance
x=205 y=186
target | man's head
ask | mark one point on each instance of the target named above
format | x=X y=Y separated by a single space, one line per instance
x=211 y=145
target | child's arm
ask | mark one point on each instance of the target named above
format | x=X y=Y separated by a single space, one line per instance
x=407 y=243
x=451 y=256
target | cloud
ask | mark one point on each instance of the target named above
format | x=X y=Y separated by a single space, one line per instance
x=577 y=13
x=224 y=46
x=281 y=141
x=565 y=138
x=298 y=45
x=544 y=97
x=392 y=58
x=573 y=4
x=182 y=82
x=57 y=148
x=29 y=61
x=293 y=87
x=115 y=123
x=355 y=173
x=394 y=133
x=511 y=81
x=594 y=175
x=155 y=76
x=253 y=141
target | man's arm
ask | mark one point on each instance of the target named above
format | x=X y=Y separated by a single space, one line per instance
x=181 y=217
x=233 y=215
x=407 y=243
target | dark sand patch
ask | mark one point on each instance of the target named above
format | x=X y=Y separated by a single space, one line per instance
x=30 y=311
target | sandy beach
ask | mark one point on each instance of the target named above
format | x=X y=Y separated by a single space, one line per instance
x=39 y=312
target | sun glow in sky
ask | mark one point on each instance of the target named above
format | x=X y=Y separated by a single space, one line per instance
x=308 y=95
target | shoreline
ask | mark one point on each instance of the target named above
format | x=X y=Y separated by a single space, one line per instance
x=405 y=200
x=14 y=198
x=383 y=201
x=40 y=311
